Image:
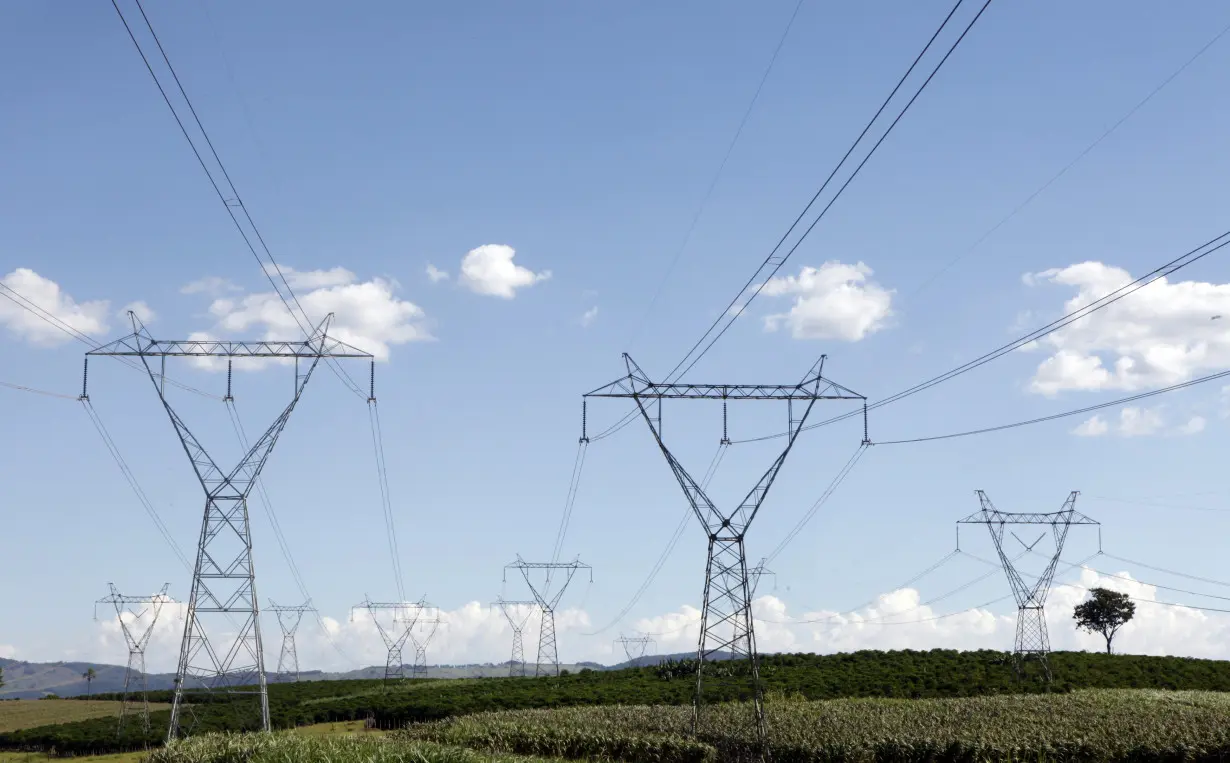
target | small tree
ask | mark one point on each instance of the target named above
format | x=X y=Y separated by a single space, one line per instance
x=89 y=676
x=1104 y=612
x=1 y=678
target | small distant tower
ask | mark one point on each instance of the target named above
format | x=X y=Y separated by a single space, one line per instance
x=137 y=626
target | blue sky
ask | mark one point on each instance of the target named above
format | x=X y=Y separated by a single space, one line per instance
x=584 y=137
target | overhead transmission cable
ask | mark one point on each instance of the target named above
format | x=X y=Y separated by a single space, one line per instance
x=272 y=515
x=232 y=201
x=226 y=190
x=21 y=388
x=32 y=307
x=714 y=464
x=1174 y=265
x=717 y=176
x=1064 y=170
x=815 y=507
x=773 y=262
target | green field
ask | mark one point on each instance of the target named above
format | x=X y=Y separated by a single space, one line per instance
x=31 y=713
x=904 y=675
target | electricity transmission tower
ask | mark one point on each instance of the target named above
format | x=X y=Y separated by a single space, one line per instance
x=756 y=573
x=428 y=627
x=1032 y=641
x=220 y=653
x=726 y=613
x=548 y=651
x=634 y=646
x=405 y=614
x=512 y=613
x=137 y=632
x=289 y=618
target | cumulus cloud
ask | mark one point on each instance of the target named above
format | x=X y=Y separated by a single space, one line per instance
x=367 y=314
x=144 y=312
x=833 y=301
x=1163 y=334
x=1194 y=425
x=588 y=317
x=317 y=279
x=435 y=274
x=898 y=619
x=1133 y=422
x=212 y=286
x=46 y=295
x=1094 y=426
x=1137 y=422
x=490 y=270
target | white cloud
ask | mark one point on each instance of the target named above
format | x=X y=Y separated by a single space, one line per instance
x=588 y=318
x=144 y=312
x=367 y=314
x=209 y=285
x=1137 y=422
x=1094 y=426
x=834 y=301
x=435 y=274
x=1194 y=425
x=490 y=270
x=8 y=652
x=897 y=619
x=317 y=279
x=86 y=317
x=1163 y=334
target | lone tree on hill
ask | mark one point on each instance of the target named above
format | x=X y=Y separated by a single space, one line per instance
x=1105 y=612
x=89 y=677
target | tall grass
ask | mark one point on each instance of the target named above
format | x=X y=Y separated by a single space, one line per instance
x=289 y=748
x=1099 y=725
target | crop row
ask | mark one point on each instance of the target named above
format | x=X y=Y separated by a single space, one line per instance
x=1099 y=725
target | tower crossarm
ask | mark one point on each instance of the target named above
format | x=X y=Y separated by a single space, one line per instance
x=542 y=594
x=141 y=344
x=508 y=608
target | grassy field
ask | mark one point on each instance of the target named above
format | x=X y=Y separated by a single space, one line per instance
x=1095 y=725
x=32 y=713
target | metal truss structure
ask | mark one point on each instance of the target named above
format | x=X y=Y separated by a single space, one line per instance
x=1032 y=641
x=726 y=614
x=634 y=646
x=221 y=649
x=289 y=618
x=511 y=610
x=405 y=615
x=759 y=571
x=137 y=632
x=548 y=650
x=428 y=627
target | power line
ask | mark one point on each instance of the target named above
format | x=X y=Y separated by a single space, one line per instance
x=772 y=263
x=131 y=479
x=382 y=475
x=232 y=200
x=32 y=307
x=1065 y=414
x=1178 y=263
x=828 y=492
x=20 y=388
x=279 y=535
x=714 y=464
x=687 y=237
x=1054 y=178
x=1211 y=581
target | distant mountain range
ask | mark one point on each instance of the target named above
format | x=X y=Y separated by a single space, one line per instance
x=32 y=680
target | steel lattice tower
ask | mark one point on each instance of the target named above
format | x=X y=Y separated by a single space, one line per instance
x=429 y=627
x=634 y=646
x=1032 y=641
x=137 y=638
x=405 y=614
x=726 y=613
x=516 y=666
x=289 y=618
x=231 y=660
x=548 y=650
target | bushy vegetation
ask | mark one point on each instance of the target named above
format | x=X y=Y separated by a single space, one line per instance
x=904 y=674
x=1095 y=725
x=286 y=748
